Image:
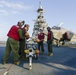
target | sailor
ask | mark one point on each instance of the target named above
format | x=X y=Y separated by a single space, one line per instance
x=22 y=42
x=41 y=39
x=65 y=37
x=49 y=41
x=12 y=43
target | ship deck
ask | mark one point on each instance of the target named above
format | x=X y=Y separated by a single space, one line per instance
x=63 y=62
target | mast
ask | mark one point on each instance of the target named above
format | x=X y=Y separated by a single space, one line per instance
x=40 y=22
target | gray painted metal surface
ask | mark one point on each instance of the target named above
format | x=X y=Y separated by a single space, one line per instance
x=63 y=62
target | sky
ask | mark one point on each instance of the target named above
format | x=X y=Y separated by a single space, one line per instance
x=56 y=11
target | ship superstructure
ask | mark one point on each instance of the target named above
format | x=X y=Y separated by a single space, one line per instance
x=40 y=22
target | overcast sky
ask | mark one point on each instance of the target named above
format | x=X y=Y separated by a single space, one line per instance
x=57 y=11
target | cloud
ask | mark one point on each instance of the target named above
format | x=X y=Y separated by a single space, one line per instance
x=17 y=6
x=3 y=12
x=1 y=5
x=6 y=13
x=14 y=12
x=7 y=8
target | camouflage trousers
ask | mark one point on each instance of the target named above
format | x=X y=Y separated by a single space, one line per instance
x=41 y=45
x=22 y=47
x=11 y=46
x=49 y=46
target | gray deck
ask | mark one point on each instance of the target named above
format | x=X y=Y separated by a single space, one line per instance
x=62 y=63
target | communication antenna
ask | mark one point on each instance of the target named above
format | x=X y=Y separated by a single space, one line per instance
x=60 y=24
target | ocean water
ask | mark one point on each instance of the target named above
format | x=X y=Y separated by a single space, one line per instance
x=2 y=45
